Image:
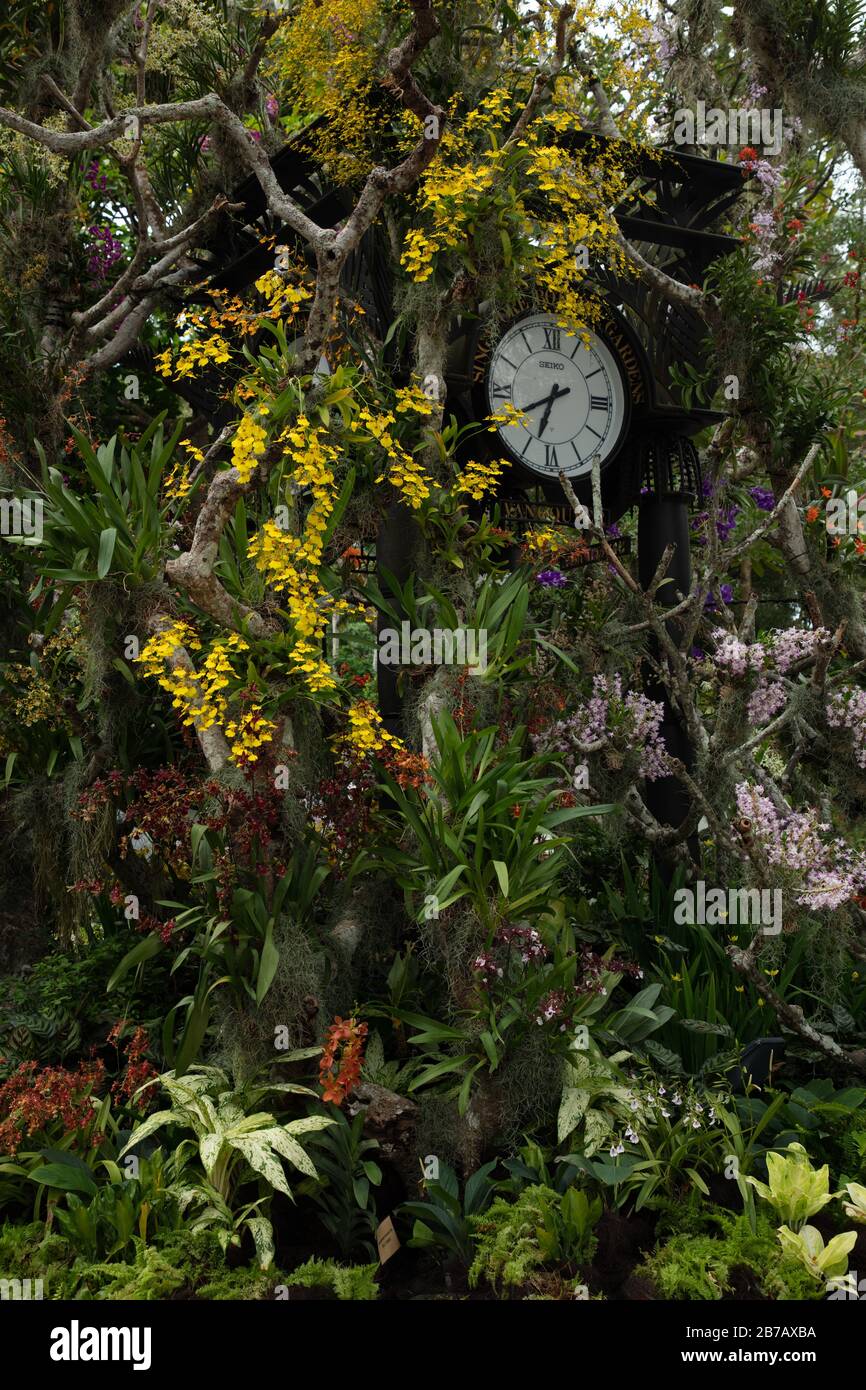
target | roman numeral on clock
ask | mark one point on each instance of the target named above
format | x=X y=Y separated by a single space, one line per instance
x=550 y=459
x=498 y=391
x=598 y=402
x=551 y=339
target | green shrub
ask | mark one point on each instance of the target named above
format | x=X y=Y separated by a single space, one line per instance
x=26 y=1252
x=700 y=1266
x=542 y=1228
x=349 y=1283
x=191 y=1265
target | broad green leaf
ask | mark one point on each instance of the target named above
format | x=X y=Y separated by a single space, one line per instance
x=270 y=959
x=143 y=951
x=64 y=1177
x=107 y=541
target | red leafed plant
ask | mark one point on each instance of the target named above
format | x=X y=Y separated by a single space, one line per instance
x=34 y=1098
x=342 y=1056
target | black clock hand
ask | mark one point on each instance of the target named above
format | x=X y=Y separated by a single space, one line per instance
x=555 y=396
x=557 y=391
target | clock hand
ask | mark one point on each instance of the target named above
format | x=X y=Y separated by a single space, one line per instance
x=555 y=396
x=557 y=391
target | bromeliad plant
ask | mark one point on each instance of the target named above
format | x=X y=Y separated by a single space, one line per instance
x=486 y=828
x=120 y=526
x=344 y=1192
x=236 y=1143
x=795 y=1190
x=806 y=1245
x=442 y=1221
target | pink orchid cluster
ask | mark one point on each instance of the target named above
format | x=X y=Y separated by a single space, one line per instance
x=520 y=945
x=831 y=872
x=105 y=252
x=768 y=660
x=763 y=226
x=629 y=722
x=846 y=709
x=767 y=174
x=668 y=46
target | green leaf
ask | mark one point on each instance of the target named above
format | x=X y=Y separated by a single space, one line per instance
x=106 y=551
x=489 y=1046
x=142 y=952
x=430 y=1026
x=65 y=1177
x=270 y=959
x=193 y=1034
x=501 y=871
x=439 y=1069
x=120 y=665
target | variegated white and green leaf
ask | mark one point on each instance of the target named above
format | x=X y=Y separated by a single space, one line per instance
x=260 y=1155
x=263 y=1238
x=284 y=1144
x=148 y=1127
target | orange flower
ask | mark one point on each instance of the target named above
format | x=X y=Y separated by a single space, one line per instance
x=339 y=1078
x=812 y=514
x=860 y=546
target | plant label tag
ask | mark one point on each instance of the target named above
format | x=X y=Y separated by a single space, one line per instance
x=386 y=1240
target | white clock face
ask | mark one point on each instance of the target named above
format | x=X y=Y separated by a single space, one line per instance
x=573 y=397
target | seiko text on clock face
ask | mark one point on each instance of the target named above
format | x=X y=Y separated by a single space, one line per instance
x=569 y=390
